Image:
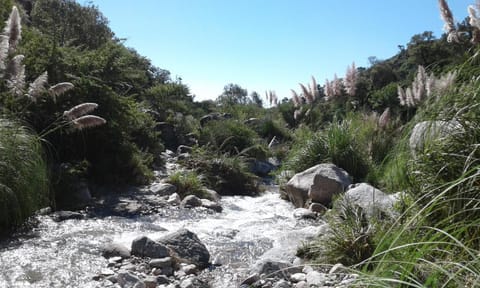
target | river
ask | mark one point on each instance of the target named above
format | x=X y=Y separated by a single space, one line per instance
x=68 y=253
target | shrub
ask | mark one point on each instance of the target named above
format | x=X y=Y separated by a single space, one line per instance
x=24 y=185
x=336 y=144
x=228 y=175
x=187 y=183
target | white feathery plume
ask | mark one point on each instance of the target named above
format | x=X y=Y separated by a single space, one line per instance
x=296 y=114
x=88 y=121
x=3 y=52
x=314 y=89
x=16 y=75
x=418 y=86
x=328 y=89
x=336 y=86
x=401 y=96
x=409 y=97
x=80 y=110
x=295 y=98
x=13 y=30
x=351 y=80
x=306 y=93
x=447 y=17
x=59 y=89
x=37 y=87
x=384 y=118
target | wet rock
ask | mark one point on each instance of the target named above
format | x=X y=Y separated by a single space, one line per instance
x=115 y=250
x=66 y=215
x=261 y=168
x=317 y=208
x=174 y=199
x=318 y=183
x=211 y=205
x=127 y=279
x=211 y=195
x=302 y=213
x=187 y=247
x=191 y=201
x=162 y=189
x=146 y=247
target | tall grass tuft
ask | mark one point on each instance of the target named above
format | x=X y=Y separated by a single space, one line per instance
x=24 y=186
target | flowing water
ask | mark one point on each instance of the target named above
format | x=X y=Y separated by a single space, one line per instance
x=68 y=253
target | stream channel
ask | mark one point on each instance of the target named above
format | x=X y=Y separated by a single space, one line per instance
x=68 y=253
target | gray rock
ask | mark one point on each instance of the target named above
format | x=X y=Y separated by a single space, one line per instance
x=146 y=247
x=191 y=201
x=174 y=199
x=115 y=250
x=66 y=215
x=282 y=284
x=275 y=268
x=162 y=189
x=251 y=279
x=161 y=263
x=261 y=168
x=78 y=195
x=319 y=183
x=211 y=195
x=211 y=205
x=150 y=282
x=193 y=282
x=317 y=208
x=432 y=130
x=316 y=278
x=302 y=213
x=184 y=149
x=187 y=247
x=371 y=200
x=128 y=280
x=189 y=269
x=301 y=284
x=298 y=277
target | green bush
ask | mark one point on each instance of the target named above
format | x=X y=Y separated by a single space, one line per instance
x=24 y=185
x=187 y=183
x=232 y=137
x=335 y=144
x=228 y=175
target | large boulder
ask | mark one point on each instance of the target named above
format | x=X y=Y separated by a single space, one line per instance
x=371 y=200
x=115 y=250
x=318 y=183
x=187 y=248
x=191 y=201
x=431 y=130
x=146 y=247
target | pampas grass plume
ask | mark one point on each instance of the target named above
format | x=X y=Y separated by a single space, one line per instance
x=88 y=121
x=80 y=110
x=36 y=88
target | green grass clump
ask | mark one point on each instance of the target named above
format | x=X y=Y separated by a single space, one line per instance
x=24 y=185
x=226 y=174
x=187 y=183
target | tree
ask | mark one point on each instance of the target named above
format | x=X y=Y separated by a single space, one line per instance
x=233 y=94
x=255 y=98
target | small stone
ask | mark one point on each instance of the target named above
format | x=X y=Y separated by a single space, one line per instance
x=282 y=284
x=162 y=189
x=162 y=279
x=301 y=284
x=335 y=268
x=191 y=201
x=174 y=199
x=190 y=269
x=150 y=282
x=126 y=279
x=298 y=277
x=107 y=272
x=307 y=269
x=115 y=259
x=316 y=278
x=302 y=213
x=129 y=267
x=211 y=205
x=115 y=250
x=161 y=263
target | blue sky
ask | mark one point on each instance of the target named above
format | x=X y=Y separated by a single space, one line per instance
x=268 y=44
